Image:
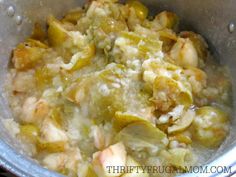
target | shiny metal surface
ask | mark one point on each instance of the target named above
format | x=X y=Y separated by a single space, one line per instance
x=211 y=18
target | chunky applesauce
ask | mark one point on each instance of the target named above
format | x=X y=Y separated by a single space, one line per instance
x=110 y=86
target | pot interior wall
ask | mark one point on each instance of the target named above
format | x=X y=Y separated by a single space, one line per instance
x=207 y=17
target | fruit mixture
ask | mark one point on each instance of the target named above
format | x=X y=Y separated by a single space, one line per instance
x=111 y=85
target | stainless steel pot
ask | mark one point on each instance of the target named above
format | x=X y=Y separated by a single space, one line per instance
x=213 y=19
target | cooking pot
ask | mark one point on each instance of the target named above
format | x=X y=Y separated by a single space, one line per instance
x=214 y=19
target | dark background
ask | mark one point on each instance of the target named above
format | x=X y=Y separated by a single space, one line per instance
x=4 y=173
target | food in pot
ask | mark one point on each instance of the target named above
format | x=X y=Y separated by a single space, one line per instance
x=108 y=85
